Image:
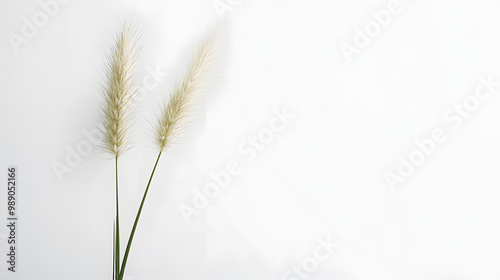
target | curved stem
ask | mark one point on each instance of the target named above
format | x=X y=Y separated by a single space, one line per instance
x=131 y=237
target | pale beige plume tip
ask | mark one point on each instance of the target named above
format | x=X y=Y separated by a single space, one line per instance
x=189 y=90
x=119 y=91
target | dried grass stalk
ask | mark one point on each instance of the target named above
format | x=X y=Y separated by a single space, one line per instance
x=118 y=96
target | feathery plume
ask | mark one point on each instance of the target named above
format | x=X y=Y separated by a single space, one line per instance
x=188 y=90
x=119 y=91
x=177 y=110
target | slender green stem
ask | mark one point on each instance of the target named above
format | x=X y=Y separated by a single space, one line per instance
x=131 y=237
x=117 y=240
x=114 y=252
x=115 y=277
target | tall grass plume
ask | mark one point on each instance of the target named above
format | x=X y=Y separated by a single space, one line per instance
x=118 y=95
x=179 y=107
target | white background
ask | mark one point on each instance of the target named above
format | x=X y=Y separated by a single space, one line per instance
x=324 y=174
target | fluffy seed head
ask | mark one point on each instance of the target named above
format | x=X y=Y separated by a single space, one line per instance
x=119 y=92
x=188 y=90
